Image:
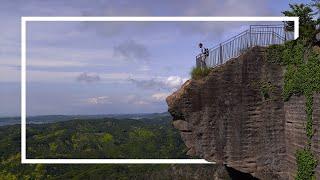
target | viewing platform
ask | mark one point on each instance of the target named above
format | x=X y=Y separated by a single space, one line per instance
x=256 y=35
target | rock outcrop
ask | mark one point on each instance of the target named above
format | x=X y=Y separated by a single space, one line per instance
x=236 y=116
x=196 y=172
x=189 y=172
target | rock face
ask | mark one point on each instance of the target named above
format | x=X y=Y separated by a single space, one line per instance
x=295 y=130
x=189 y=172
x=236 y=116
x=196 y=172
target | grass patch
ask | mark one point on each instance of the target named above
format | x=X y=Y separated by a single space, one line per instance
x=198 y=73
x=306 y=165
x=266 y=89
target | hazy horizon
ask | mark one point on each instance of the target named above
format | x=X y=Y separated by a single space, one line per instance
x=14 y=116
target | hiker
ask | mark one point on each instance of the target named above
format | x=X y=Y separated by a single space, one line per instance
x=204 y=55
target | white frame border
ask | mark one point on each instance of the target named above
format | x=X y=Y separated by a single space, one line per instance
x=24 y=21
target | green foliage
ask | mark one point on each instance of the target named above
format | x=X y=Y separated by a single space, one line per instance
x=274 y=53
x=302 y=76
x=7 y=176
x=107 y=137
x=39 y=172
x=306 y=165
x=198 y=73
x=53 y=147
x=293 y=54
x=266 y=90
x=303 y=11
x=307 y=24
x=292 y=85
x=309 y=111
x=142 y=134
x=99 y=138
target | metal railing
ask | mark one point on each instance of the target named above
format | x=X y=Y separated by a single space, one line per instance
x=256 y=35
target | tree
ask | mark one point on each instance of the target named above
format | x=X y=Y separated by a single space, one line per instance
x=307 y=26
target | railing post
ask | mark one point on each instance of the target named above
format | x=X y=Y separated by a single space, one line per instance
x=250 y=40
x=247 y=39
x=221 y=57
x=273 y=38
x=285 y=32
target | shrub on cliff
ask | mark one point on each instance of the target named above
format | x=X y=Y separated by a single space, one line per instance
x=302 y=77
x=198 y=73
x=274 y=54
x=306 y=164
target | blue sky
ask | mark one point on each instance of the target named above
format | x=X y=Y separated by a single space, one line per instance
x=103 y=67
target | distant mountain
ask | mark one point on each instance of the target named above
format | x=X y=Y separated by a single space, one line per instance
x=9 y=121
x=44 y=119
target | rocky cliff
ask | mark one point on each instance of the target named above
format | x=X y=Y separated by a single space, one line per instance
x=236 y=116
x=196 y=172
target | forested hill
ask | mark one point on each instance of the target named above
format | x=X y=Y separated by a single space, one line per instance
x=90 y=138
x=106 y=138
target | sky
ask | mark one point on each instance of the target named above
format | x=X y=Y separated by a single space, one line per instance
x=110 y=67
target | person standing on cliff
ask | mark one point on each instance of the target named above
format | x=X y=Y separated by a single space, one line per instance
x=204 y=55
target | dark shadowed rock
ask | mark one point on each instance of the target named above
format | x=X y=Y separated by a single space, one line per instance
x=191 y=172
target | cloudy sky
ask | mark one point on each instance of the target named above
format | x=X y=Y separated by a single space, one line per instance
x=104 y=67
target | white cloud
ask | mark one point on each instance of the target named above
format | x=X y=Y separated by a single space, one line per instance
x=115 y=76
x=141 y=102
x=158 y=97
x=144 y=68
x=175 y=81
x=168 y=83
x=134 y=99
x=11 y=74
x=99 y=100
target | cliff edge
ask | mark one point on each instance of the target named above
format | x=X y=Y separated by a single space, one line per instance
x=236 y=116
